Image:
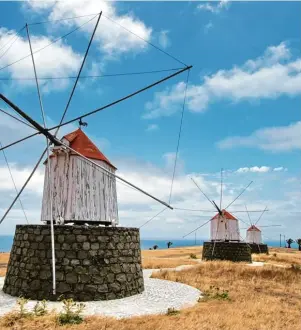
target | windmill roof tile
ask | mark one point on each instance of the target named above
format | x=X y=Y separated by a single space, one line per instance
x=253 y=228
x=80 y=142
x=226 y=214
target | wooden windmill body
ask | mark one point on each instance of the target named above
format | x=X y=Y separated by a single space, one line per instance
x=254 y=235
x=224 y=227
x=77 y=191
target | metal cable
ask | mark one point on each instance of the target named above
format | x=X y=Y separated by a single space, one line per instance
x=148 y=42
x=16 y=189
x=179 y=137
x=54 y=41
x=92 y=76
x=16 y=38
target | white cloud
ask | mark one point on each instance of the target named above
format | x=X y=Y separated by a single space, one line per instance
x=216 y=8
x=163 y=39
x=56 y=60
x=254 y=169
x=111 y=38
x=276 y=139
x=20 y=175
x=255 y=79
x=152 y=127
x=208 y=27
x=280 y=169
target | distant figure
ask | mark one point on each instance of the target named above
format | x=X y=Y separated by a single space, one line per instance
x=169 y=244
x=289 y=242
x=155 y=247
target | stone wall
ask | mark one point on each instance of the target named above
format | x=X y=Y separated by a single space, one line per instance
x=92 y=263
x=233 y=251
x=259 y=248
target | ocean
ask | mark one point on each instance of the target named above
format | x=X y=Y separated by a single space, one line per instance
x=7 y=241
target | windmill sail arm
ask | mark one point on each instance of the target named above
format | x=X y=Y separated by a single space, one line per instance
x=116 y=176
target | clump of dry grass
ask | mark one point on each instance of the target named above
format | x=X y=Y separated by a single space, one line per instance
x=279 y=256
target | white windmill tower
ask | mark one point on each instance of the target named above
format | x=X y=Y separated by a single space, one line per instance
x=254 y=236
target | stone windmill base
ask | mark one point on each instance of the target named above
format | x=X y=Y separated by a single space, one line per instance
x=232 y=251
x=92 y=263
x=259 y=248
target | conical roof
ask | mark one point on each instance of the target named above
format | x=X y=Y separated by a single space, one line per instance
x=80 y=142
x=253 y=228
x=226 y=215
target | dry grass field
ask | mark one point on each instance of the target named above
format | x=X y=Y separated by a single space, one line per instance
x=252 y=298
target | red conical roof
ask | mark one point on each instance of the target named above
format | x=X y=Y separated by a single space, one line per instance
x=79 y=141
x=253 y=227
x=226 y=215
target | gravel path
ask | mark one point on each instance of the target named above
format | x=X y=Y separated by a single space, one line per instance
x=159 y=295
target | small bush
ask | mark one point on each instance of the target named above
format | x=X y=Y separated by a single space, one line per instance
x=71 y=313
x=9 y=320
x=275 y=255
x=172 y=311
x=216 y=293
x=23 y=312
x=40 y=308
x=193 y=256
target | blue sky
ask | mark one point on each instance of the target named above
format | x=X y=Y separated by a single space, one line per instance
x=242 y=109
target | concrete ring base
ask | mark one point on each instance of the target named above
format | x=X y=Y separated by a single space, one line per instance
x=158 y=296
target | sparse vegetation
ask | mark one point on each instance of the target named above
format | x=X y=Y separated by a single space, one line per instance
x=72 y=312
x=155 y=247
x=172 y=311
x=193 y=256
x=217 y=293
x=40 y=308
x=169 y=244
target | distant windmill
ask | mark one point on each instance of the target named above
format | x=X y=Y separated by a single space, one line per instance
x=254 y=235
x=224 y=229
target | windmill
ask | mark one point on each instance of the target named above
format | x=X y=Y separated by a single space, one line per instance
x=53 y=259
x=225 y=240
x=254 y=235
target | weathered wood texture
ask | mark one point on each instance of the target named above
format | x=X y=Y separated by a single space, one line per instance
x=254 y=236
x=222 y=228
x=79 y=191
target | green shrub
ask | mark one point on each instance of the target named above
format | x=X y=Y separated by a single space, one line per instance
x=40 y=308
x=172 y=311
x=215 y=293
x=193 y=256
x=71 y=313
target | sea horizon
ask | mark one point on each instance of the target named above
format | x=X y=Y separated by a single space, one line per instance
x=6 y=242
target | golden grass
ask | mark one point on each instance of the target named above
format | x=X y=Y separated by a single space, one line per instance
x=280 y=256
x=261 y=298
x=3 y=263
x=170 y=258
